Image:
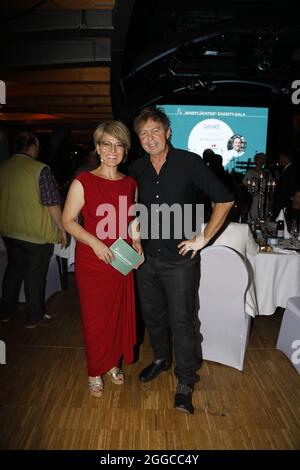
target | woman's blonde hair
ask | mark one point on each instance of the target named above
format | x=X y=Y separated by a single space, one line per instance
x=116 y=129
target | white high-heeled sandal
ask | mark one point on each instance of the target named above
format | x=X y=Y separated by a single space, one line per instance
x=96 y=386
x=117 y=375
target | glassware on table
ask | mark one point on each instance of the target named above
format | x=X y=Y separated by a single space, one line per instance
x=294 y=233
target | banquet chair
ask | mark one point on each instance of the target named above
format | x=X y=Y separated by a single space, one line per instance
x=224 y=323
x=289 y=335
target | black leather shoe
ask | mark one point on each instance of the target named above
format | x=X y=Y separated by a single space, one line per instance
x=154 y=369
x=183 y=402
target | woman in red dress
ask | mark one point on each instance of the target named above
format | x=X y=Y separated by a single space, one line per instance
x=106 y=295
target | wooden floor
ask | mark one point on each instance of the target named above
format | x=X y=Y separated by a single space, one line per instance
x=45 y=403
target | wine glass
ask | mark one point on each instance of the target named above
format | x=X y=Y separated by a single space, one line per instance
x=294 y=233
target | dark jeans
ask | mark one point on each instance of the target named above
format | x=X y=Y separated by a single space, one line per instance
x=167 y=290
x=28 y=262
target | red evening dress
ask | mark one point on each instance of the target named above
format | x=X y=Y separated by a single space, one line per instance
x=106 y=296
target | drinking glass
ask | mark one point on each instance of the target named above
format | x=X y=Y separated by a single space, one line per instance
x=294 y=233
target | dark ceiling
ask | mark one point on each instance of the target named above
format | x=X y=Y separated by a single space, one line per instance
x=77 y=62
x=176 y=51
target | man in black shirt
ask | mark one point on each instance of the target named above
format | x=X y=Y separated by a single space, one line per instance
x=167 y=281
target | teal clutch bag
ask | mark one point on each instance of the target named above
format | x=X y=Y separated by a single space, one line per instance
x=126 y=258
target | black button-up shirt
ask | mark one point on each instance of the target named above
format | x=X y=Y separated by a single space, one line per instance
x=178 y=182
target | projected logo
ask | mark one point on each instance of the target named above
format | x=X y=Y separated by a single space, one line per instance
x=2 y=93
x=211 y=134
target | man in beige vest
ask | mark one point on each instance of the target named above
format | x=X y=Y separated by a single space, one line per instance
x=30 y=224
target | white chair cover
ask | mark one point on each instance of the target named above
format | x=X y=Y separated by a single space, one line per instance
x=289 y=335
x=224 y=323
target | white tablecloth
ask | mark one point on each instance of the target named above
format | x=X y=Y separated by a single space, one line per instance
x=276 y=279
x=67 y=253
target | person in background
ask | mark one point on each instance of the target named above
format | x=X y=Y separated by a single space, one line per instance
x=202 y=198
x=216 y=165
x=285 y=183
x=259 y=161
x=30 y=224
x=207 y=155
x=253 y=174
x=291 y=213
x=167 y=281
x=106 y=296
